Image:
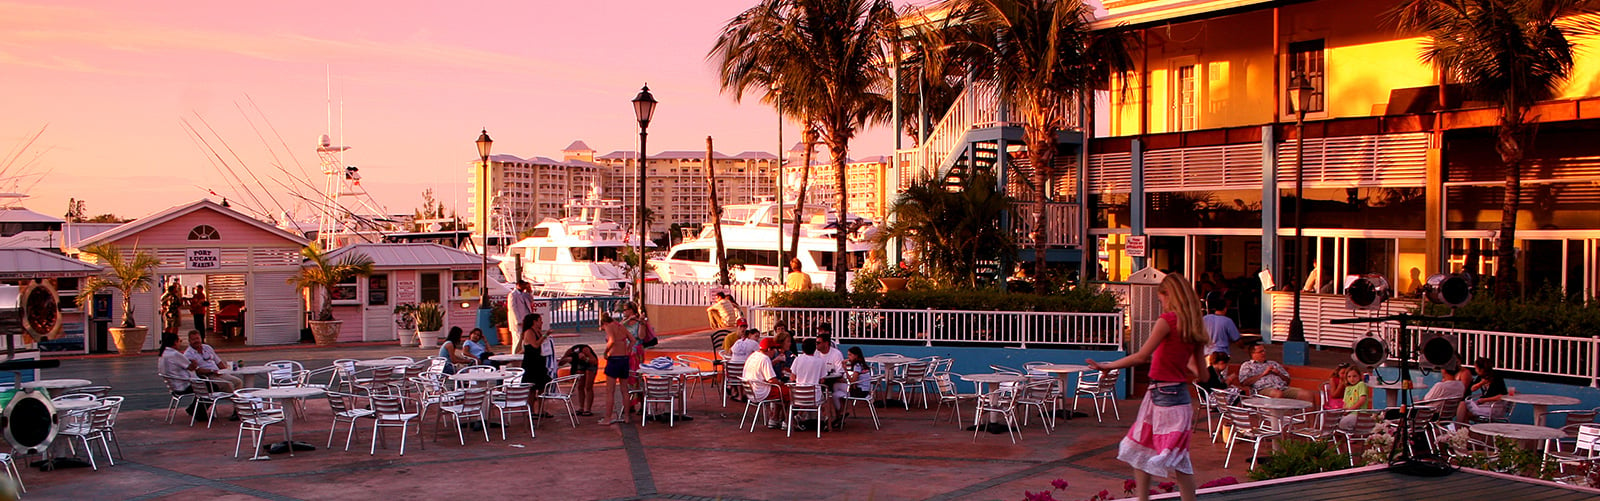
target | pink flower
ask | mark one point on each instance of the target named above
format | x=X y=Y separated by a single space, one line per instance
x=1104 y=494
x=1167 y=486
x=1220 y=482
x=1059 y=484
x=1128 y=485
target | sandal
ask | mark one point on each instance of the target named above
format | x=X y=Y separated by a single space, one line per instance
x=584 y=413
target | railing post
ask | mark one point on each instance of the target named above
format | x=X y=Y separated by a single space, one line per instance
x=1594 y=361
x=927 y=326
x=1027 y=322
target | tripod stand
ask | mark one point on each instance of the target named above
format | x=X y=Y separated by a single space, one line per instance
x=1406 y=457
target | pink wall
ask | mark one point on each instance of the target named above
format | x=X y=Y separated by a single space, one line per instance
x=175 y=233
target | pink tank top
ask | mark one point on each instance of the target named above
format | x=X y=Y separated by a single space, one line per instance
x=1171 y=359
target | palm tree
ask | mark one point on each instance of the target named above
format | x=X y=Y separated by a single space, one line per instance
x=831 y=59
x=127 y=275
x=324 y=273
x=1514 y=53
x=953 y=231
x=1039 y=53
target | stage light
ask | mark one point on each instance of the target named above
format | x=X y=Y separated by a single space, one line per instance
x=1454 y=289
x=1366 y=292
x=1369 y=351
x=1438 y=351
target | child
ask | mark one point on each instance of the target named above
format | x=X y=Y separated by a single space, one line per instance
x=1217 y=372
x=859 y=373
x=1334 y=399
x=1357 y=396
x=583 y=363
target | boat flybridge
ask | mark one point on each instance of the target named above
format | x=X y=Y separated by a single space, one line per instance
x=580 y=254
x=750 y=238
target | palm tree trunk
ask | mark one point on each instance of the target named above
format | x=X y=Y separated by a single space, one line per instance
x=838 y=147
x=716 y=217
x=1042 y=157
x=1508 y=144
x=800 y=201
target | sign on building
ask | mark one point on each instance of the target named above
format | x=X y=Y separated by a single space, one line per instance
x=202 y=259
x=1136 y=246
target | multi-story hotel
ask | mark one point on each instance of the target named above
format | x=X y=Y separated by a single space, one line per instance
x=528 y=190
x=870 y=189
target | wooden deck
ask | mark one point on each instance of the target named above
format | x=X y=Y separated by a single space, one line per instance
x=1377 y=483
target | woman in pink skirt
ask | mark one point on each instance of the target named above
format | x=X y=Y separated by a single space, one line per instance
x=1158 y=443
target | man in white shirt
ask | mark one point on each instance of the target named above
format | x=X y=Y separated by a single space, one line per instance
x=807 y=367
x=177 y=370
x=518 y=304
x=759 y=368
x=833 y=363
x=745 y=346
x=207 y=363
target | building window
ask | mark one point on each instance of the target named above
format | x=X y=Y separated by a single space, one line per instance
x=204 y=232
x=1184 y=94
x=1305 y=58
x=464 y=283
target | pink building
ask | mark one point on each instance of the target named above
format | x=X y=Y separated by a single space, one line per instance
x=402 y=274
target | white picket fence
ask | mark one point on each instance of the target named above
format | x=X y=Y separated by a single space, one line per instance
x=1102 y=331
x=747 y=294
x=1573 y=357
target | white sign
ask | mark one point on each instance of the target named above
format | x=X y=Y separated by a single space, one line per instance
x=1136 y=246
x=203 y=259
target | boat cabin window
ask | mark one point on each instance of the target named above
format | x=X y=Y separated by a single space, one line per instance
x=825 y=260
x=701 y=255
x=737 y=214
x=591 y=254
x=540 y=233
x=753 y=257
x=546 y=254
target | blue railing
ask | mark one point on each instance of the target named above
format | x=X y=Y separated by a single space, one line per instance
x=579 y=313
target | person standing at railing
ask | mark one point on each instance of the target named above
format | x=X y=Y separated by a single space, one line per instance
x=1158 y=442
x=796 y=280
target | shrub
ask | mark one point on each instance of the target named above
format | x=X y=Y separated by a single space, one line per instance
x=1549 y=312
x=1300 y=457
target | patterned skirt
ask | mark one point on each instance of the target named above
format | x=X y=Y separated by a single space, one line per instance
x=1158 y=442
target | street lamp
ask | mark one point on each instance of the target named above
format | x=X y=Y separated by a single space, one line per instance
x=485 y=321
x=1300 y=90
x=644 y=105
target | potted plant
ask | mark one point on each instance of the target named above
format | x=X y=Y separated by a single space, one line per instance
x=894 y=278
x=128 y=275
x=502 y=325
x=318 y=275
x=405 y=323
x=430 y=320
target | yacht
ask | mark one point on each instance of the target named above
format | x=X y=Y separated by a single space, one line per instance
x=750 y=238
x=580 y=254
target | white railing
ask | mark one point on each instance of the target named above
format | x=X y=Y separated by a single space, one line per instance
x=1060 y=218
x=1562 y=356
x=976 y=107
x=747 y=294
x=1317 y=309
x=1101 y=331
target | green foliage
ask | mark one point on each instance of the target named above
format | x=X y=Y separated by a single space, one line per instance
x=1548 y=312
x=430 y=317
x=953 y=231
x=866 y=280
x=1509 y=457
x=1300 y=457
x=320 y=273
x=127 y=275
x=497 y=316
x=1081 y=300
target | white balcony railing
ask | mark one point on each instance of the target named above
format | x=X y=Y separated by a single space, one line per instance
x=1101 y=331
x=1574 y=357
x=747 y=294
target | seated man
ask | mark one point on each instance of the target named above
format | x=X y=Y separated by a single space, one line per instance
x=1216 y=373
x=477 y=349
x=176 y=368
x=808 y=369
x=1266 y=377
x=757 y=369
x=207 y=363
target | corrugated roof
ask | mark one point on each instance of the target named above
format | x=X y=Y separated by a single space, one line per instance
x=410 y=255
x=26 y=263
x=21 y=215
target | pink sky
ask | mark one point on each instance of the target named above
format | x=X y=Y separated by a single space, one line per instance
x=111 y=81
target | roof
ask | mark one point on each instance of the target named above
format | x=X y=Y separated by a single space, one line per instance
x=35 y=263
x=577 y=146
x=410 y=255
x=175 y=212
x=77 y=232
x=505 y=158
x=21 y=215
x=1377 y=482
x=688 y=155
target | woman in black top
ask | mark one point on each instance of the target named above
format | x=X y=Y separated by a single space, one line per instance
x=1486 y=406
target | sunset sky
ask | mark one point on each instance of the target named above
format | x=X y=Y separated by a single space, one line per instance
x=112 y=83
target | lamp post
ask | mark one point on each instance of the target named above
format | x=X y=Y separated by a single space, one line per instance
x=644 y=105
x=1300 y=96
x=778 y=93
x=484 y=320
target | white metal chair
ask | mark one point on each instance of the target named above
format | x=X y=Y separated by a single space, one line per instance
x=254 y=418
x=949 y=394
x=11 y=470
x=95 y=391
x=1367 y=423
x=1004 y=403
x=732 y=379
x=1251 y=426
x=468 y=408
x=1102 y=388
x=805 y=398
x=913 y=375
x=345 y=411
x=870 y=399
x=115 y=404
x=751 y=402
x=1036 y=393
x=700 y=378
x=659 y=390
x=1585 y=451
x=90 y=425
x=389 y=412
x=346 y=372
x=516 y=401
x=560 y=389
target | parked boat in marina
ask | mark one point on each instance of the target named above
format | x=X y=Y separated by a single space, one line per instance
x=578 y=254
x=750 y=237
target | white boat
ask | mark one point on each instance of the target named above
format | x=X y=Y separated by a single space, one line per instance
x=580 y=254
x=750 y=238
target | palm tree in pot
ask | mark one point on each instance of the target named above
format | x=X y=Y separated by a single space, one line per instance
x=128 y=275
x=319 y=274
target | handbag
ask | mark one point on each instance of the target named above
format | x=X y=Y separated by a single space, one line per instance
x=647 y=335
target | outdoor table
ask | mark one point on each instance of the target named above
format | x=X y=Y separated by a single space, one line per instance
x=676 y=372
x=1062 y=371
x=65 y=406
x=1541 y=403
x=1522 y=433
x=508 y=358
x=1391 y=391
x=287 y=392
x=478 y=378
x=381 y=362
x=55 y=384
x=981 y=383
x=889 y=362
x=1277 y=408
x=248 y=373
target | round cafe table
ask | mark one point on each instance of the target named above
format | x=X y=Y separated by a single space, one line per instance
x=1277 y=408
x=889 y=363
x=382 y=362
x=1522 y=433
x=64 y=406
x=1541 y=403
x=981 y=383
x=1062 y=371
x=249 y=372
x=55 y=384
x=509 y=358
x=281 y=393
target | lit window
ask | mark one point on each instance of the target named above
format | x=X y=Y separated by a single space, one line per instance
x=1305 y=58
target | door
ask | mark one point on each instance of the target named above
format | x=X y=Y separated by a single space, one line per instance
x=378 y=314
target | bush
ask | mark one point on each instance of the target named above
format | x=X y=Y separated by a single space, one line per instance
x=1549 y=312
x=1300 y=457
x=1078 y=300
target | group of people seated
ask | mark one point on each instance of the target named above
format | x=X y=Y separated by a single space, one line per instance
x=773 y=364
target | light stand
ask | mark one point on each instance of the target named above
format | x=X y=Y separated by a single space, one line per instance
x=1405 y=458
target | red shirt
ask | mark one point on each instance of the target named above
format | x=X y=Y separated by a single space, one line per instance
x=1170 y=362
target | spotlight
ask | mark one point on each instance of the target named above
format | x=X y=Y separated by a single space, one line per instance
x=1454 y=289
x=1365 y=292
x=1369 y=351
x=1438 y=351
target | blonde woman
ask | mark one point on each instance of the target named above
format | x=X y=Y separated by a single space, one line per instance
x=1158 y=443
